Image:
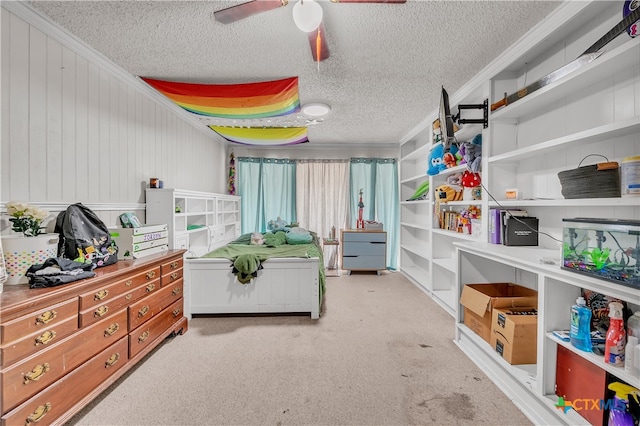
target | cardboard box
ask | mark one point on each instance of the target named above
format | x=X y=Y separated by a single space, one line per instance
x=514 y=333
x=479 y=300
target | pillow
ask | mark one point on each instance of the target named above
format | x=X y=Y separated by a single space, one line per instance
x=298 y=236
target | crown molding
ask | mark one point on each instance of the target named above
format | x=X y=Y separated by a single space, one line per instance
x=37 y=19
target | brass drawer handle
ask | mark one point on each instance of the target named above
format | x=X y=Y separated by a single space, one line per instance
x=176 y=312
x=101 y=311
x=151 y=287
x=176 y=291
x=101 y=294
x=142 y=312
x=174 y=276
x=45 y=338
x=38 y=414
x=35 y=374
x=144 y=336
x=46 y=317
x=128 y=283
x=151 y=275
x=112 y=329
x=174 y=265
x=129 y=296
x=112 y=360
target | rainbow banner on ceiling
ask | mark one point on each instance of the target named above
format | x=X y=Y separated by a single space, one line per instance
x=246 y=101
x=264 y=136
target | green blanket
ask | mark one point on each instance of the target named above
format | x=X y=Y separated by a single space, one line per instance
x=245 y=254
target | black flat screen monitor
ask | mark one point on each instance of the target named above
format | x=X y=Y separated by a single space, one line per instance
x=446 y=121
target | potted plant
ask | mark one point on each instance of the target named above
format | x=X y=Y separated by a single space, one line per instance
x=29 y=244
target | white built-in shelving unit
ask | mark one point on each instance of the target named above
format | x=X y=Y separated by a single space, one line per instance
x=594 y=110
x=198 y=222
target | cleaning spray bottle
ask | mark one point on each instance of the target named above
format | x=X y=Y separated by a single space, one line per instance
x=580 y=330
x=616 y=336
x=619 y=414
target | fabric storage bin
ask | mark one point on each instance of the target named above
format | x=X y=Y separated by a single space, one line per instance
x=600 y=180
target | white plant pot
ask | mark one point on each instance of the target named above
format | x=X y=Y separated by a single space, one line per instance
x=21 y=252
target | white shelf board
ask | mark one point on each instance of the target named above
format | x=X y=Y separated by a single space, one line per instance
x=427 y=201
x=449 y=264
x=596 y=134
x=415 y=225
x=418 y=277
x=577 y=202
x=528 y=258
x=417 y=153
x=518 y=382
x=453 y=234
x=418 y=251
x=446 y=299
x=598 y=361
x=415 y=178
x=609 y=63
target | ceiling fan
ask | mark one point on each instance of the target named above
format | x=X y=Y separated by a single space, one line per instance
x=317 y=37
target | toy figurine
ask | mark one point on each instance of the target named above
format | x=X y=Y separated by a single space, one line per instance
x=360 y=221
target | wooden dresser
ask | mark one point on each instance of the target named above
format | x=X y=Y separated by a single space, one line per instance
x=60 y=347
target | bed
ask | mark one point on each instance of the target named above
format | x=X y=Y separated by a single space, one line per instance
x=291 y=280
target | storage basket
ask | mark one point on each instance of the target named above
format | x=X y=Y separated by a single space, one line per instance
x=600 y=180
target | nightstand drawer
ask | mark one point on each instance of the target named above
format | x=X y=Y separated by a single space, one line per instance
x=380 y=237
x=363 y=262
x=364 y=249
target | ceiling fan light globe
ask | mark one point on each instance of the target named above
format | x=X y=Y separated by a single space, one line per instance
x=316 y=109
x=307 y=15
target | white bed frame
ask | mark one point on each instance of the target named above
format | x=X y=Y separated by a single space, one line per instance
x=284 y=285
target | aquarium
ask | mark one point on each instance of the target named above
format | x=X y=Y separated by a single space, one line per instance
x=602 y=248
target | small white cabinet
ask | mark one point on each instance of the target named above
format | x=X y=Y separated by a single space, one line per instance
x=198 y=222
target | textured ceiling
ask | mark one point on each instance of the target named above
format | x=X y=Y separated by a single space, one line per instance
x=383 y=77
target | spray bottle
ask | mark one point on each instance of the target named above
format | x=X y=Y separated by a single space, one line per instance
x=619 y=414
x=616 y=336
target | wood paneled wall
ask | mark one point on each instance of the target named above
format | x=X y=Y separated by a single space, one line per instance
x=73 y=130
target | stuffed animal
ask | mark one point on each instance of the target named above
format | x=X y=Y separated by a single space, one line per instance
x=471 y=181
x=472 y=153
x=446 y=192
x=453 y=157
x=277 y=225
x=436 y=165
x=257 y=239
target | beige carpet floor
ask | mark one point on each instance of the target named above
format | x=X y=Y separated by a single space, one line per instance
x=381 y=354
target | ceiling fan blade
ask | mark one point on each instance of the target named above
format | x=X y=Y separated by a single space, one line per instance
x=369 y=1
x=244 y=10
x=323 y=48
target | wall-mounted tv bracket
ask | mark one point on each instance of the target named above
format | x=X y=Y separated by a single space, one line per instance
x=485 y=114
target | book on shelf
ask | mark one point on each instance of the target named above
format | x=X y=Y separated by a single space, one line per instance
x=498 y=222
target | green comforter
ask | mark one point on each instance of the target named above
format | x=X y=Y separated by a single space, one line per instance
x=242 y=254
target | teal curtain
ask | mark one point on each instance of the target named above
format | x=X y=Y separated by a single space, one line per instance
x=378 y=179
x=267 y=187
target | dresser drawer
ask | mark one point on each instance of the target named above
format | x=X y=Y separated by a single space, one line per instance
x=174 y=265
x=143 y=336
x=39 y=320
x=94 y=314
x=143 y=310
x=26 y=378
x=379 y=237
x=60 y=397
x=172 y=276
x=109 y=291
x=38 y=340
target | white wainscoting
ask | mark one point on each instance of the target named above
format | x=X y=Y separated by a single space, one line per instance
x=77 y=128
